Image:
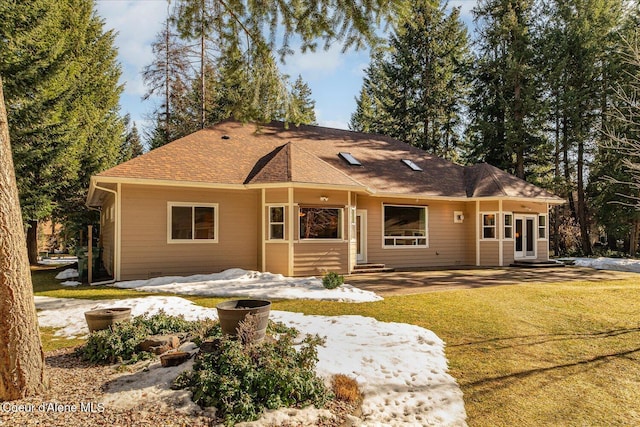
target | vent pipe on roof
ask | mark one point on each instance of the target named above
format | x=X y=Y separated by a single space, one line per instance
x=225 y=137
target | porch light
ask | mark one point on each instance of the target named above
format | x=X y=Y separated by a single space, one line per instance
x=324 y=199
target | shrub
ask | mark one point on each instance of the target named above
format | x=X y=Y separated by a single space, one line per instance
x=332 y=280
x=242 y=380
x=119 y=343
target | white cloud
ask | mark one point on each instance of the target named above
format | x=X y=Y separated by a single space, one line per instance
x=318 y=64
x=136 y=24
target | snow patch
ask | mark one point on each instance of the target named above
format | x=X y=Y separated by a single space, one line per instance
x=241 y=283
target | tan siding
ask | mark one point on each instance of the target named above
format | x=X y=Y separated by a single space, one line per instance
x=277 y=258
x=508 y=252
x=108 y=232
x=490 y=206
x=470 y=220
x=312 y=197
x=543 y=250
x=146 y=253
x=316 y=258
x=448 y=241
x=276 y=195
x=489 y=253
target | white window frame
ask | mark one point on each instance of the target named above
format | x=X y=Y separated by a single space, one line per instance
x=283 y=223
x=494 y=226
x=340 y=237
x=545 y=227
x=395 y=238
x=193 y=205
x=505 y=226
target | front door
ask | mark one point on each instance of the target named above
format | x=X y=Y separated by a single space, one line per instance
x=361 y=236
x=525 y=238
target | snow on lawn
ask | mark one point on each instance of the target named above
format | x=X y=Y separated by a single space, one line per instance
x=401 y=369
x=602 y=263
x=69 y=273
x=236 y=282
x=58 y=260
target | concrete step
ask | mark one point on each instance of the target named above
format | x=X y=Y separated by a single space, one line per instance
x=371 y=268
x=536 y=264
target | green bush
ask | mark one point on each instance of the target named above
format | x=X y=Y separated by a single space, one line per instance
x=242 y=380
x=332 y=280
x=119 y=343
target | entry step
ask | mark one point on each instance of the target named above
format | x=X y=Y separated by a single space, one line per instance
x=371 y=268
x=536 y=264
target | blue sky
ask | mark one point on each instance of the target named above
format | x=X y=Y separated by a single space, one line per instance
x=335 y=78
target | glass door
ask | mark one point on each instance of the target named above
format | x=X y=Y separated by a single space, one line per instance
x=525 y=236
x=361 y=236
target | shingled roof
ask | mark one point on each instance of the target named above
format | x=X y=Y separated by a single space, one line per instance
x=233 y=153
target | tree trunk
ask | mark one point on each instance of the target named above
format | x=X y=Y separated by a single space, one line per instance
x=32 y=241
x=21 y=356
x=582 y=203
x=633 y=240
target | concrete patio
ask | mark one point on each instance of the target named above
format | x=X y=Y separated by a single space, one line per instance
x=430 y=280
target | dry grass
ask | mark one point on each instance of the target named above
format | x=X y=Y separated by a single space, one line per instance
x=345 y=388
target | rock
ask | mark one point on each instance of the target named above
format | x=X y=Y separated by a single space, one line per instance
x=158 y=344
x=174 y=359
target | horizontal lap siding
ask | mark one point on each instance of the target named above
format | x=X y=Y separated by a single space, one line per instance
x=277 y=258
x=146 y=253
x=448 y=241
x=316 y=258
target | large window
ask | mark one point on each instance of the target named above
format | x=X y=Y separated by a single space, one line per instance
x=488 y=225
x=189 y=222
x=405 y=226
x=276 y=222
x=320 y=223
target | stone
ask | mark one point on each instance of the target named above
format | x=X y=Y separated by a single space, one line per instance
x=158 y=344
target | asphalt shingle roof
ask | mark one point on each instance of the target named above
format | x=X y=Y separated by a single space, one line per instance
x=236 y=153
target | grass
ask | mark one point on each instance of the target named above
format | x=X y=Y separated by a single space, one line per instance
x=529 y=355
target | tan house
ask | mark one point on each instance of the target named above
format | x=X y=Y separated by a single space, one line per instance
x=306 y=200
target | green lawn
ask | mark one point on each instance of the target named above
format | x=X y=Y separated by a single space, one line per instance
x=528 y=355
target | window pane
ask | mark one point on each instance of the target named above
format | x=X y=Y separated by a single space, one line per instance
x=205 y=223
x=508 y=220
x=319 y=223
x=489 y=219
x=489 y=232
x=277 y=214
x=405 y=221
x=542 y=221
x=277 y=231
x=508 y=232
x=181 y=222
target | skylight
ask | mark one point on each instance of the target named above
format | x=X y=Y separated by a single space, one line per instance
x=350 y=159
x=412 y=165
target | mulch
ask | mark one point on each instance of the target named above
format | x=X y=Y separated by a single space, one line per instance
x=74 y=397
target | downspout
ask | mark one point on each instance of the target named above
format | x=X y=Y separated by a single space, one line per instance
x=500 y=225
x=116 y=237
x=478 y=219
x=263 y=231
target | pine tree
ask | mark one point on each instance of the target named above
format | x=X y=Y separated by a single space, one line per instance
x=303 y=106
x=21 y=356
x=168 y=75
x=131 y=144
x=62 y=104
x=506 y=107
x=416 y=92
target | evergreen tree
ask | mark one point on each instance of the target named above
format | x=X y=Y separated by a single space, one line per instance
x=62 y=102
x=303 y=104
x=581 y=75
x=506 y=105
x=168 y=75
x=131 y=144
x=416 y=92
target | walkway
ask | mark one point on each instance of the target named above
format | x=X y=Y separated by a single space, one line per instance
x=429 y=280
